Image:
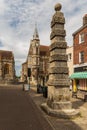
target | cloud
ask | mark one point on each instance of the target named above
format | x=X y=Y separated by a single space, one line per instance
x=2 y=7
x=18 y=18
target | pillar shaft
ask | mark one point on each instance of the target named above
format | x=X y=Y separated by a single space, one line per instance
x=58 y=83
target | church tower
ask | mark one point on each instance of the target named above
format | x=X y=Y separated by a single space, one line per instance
x=35 y=50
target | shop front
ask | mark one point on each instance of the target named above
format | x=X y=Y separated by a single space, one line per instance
x=79 y=84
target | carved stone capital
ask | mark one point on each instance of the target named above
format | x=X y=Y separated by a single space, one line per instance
x=58 y=58
x=57 y=32
x=59 y=82
x=59 y=45
x=58 y=70
x=57 y=20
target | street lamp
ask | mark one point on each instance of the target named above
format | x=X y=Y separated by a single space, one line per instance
x=29 y=75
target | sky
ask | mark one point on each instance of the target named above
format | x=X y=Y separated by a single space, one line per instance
x=18 y=18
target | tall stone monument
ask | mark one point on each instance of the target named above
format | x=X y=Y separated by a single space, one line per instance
x=58 y=102
x=58 y=84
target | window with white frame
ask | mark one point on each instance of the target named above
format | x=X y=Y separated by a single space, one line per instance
x=69 y=57
x=81 y=38
x=81 y=57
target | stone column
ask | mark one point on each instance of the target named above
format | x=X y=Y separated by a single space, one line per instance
x=58 y=84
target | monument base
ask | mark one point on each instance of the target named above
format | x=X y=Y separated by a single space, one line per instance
x=59 y=105
x=60 y=113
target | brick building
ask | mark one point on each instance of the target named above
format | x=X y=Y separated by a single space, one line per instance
x=79 y=76
x=69 y=51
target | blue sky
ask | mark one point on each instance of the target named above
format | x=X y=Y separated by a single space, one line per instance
x=18 y=18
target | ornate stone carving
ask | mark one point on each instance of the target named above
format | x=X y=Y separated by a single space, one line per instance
x=57 y=20
x=58 y=82
x=58 y=76
x=62 y=45
x=58 y=58
x=58 y=64
x=59 y=70
x=57 y=32
x=58 y=39
x=57 y=51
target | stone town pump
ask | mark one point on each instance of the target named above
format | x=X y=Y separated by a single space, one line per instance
x=58 y=83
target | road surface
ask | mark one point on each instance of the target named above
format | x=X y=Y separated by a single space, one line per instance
x=18 y=111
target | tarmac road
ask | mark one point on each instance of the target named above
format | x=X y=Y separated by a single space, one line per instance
x=19 y=112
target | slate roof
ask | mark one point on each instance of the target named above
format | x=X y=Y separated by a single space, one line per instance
x=44 y=50
x=6 y=54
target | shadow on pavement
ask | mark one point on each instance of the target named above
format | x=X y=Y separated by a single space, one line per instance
x=77 y=103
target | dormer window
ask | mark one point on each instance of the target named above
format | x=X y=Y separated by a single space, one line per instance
x=81 y=38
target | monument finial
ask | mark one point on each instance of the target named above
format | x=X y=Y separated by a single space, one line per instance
x=58 y=7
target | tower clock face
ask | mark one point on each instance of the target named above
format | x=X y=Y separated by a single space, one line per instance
x=36 y=44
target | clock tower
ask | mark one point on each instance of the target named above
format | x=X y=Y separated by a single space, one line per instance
x=35 y=47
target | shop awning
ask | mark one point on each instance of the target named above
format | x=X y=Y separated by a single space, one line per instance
x=79 y=75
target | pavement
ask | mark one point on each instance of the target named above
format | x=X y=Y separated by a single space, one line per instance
x=79 y=123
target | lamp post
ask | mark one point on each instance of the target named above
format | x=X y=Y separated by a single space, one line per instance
x=29 y=74
x=37 y=75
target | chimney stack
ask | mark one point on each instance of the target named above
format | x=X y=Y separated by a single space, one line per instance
x=85 y=19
